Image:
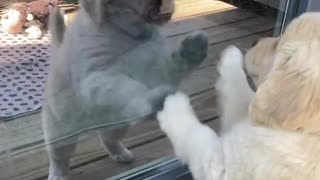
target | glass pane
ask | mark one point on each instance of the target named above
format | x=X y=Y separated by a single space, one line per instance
x=102 y=82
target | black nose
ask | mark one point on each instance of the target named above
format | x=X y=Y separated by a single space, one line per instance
x=157 y=3
x=255 y=42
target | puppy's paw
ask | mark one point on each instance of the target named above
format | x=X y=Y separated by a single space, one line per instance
x=176 y=108
x=195 y=47
x=124 y=158
x=177 y=102
x=231 y=62
x=231 y=52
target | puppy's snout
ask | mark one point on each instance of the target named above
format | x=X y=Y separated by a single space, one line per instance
x=155 y=6
x=159 y=11
x=162 y=9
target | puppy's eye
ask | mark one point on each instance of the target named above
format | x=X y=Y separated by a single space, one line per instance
x=251 y=83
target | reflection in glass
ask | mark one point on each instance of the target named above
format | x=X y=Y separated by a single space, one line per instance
x=110 y=70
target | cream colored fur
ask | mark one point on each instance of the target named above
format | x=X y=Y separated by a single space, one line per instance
x=259 y=59
x=231 y=76
x=261 y=147
x=290 y=96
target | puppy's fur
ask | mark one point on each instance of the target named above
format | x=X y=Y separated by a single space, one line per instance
x=259 y=60
x=289 y=98
x=250 y=149
x=232 y=75
x=111 y=67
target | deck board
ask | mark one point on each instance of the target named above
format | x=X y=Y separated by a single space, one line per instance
x=223 y=23
x=206 y=21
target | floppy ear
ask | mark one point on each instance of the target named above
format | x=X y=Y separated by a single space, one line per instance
x=96 y=9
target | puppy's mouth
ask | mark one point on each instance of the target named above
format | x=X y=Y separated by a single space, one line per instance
x=154 y=16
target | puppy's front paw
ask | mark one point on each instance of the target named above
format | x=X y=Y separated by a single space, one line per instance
x=175 y=107
x=231 y=52
x=177 y=102
x=194 y=47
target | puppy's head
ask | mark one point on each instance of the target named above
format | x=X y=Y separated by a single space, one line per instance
x=289 y=98
x=150 y=11
x=259 y=61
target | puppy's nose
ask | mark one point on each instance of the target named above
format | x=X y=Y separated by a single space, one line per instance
x=255 y=42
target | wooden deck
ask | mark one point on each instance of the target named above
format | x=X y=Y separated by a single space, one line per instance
x=224 y=24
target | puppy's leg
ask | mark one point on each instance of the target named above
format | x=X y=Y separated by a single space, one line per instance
x=194 y=143
x=149 y=104
x=234 y=102
x=59 y=151
x=111 y=140
x=59 y=155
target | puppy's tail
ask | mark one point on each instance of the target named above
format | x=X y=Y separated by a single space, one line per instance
x=234 y=93
x=57 y=26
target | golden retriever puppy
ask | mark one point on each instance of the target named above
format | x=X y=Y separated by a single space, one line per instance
x=289 y=98
x=265 y=145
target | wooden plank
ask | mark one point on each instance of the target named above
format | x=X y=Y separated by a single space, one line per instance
x=232 y=30
x=243 y=42
x=199 y=7
x=35 y=163
x=105 y=168
x=277 y=4
x=213 y=19
x=20 y=133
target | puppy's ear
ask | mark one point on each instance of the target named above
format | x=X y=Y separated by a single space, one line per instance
x=97 y=9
